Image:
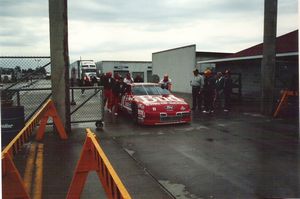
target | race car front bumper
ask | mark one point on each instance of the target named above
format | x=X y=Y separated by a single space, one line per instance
x=160 y=118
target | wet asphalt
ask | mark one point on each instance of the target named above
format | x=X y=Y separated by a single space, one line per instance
x=240 y=154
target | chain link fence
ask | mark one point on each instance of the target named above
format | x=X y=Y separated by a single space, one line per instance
x=20 y=72
x=26 y=81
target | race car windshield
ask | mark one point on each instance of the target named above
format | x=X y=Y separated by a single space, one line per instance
x=149 y=90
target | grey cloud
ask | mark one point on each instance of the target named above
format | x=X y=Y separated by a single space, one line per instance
x=143 y=11
x=15 y=33
x=157 y=11
x=23 y=8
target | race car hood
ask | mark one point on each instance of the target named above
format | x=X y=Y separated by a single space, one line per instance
x=150 y=100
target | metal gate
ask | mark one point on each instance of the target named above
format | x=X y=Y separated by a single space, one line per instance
x=87 y=104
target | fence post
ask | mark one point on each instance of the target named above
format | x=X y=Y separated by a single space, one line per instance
x=18 y=98
x=72 y=93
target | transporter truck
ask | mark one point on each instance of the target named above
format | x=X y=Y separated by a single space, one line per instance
x=82 y=72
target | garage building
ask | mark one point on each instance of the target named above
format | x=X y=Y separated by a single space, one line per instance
x=248 y=63
x=179 y=63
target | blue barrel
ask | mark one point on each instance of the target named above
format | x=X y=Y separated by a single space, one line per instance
x=12 y=121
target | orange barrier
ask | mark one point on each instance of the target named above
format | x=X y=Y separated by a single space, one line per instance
x=93 y=158
x=283 y=100
x=12 y=183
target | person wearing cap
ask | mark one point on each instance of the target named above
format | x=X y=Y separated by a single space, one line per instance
x=227 y=90
x=197 y=85
x=209 y=91
x=165 y=83
x=116 y=93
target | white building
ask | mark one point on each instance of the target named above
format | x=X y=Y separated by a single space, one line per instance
x=142 y=68
x=179 y=64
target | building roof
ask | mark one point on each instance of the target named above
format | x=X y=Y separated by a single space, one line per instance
x=193 y=45
x=284 y=44
x=120 y=61
x=212 y=54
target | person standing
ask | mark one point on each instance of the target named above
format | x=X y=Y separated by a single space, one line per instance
x=128 y=79
x=209 y=91
x=197 y=85
x=116 y=91
x=85 y=82
x=219 y=90
x=165 y=83
x=227 y=90
x=107 y=84
x=138 y=78
x=95 y=82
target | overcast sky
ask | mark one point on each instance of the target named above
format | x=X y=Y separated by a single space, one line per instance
x=134 y=29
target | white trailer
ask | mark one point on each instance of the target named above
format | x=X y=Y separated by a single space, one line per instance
x=141 y=68
x=83 y=68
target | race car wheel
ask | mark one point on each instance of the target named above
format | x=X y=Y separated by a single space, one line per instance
x=99 y=124
x=134 y=113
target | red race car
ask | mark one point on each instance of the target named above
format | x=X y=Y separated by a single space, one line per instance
x=149 y=104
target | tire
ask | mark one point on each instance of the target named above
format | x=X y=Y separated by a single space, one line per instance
x=134 y=112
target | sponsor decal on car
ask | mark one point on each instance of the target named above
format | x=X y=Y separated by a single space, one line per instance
x=169 y=108
x=154 y=100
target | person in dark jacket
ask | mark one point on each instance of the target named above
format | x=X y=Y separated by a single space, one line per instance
x=138 y=78
x=209 y=91
x=116 y=93
x=227 y=88
x=219 y=90
x=94 y=82
x=107 y=84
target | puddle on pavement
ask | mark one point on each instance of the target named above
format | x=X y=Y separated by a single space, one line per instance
x=130 y=152
x=253 y=114
x=178 y=190
x=201 y=127
x=210 y=139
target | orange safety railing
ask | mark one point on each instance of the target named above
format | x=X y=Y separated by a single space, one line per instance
x=283 y=100
x=93 y=158
x=12 y=184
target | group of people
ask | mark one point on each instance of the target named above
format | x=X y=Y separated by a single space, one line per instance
x=211 y=91
x=114 y=87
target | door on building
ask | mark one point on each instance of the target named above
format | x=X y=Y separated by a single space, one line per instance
x=149 y=76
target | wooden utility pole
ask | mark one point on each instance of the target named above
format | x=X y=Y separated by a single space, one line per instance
x=269 y=57
x=58 y=18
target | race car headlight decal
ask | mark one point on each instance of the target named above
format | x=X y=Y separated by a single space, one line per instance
x=182 y=108
x=141 y=113
x=141 y=106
